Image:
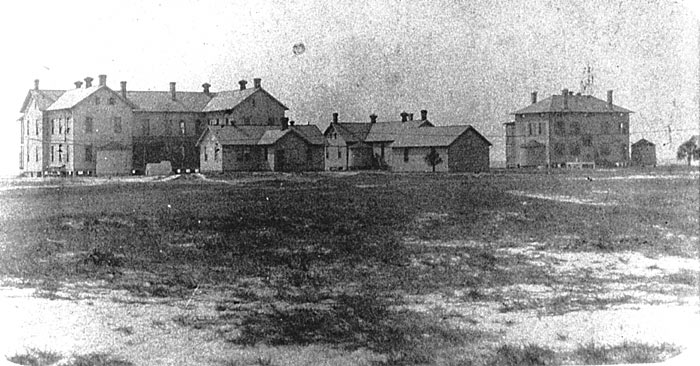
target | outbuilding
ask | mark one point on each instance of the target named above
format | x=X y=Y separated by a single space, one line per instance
x=643 y=153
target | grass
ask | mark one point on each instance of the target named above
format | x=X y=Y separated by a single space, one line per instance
x=627 y=352
x=36 y=357
x=313 y=259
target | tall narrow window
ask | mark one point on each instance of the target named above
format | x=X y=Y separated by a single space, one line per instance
x=36 y=154
x=36 y=128
x=60 y=126
x=117 y=124
x=216 y=152
x=529 y=129
x=53 y=153
x=60 y=153
x=405 y=155
x=67 y=153
x=88 y=153
x=309 y=154
x=111 y=101
x=206 y=156
x=539 y=128
x=88 y=125
x=53 y=126
x=69 y=121
x=340 y=153
x=183 y=128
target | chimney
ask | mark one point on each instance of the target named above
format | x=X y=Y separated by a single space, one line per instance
x=103 y=79
x=123 y=83
x=404 y=116
x=335 y=117
x=242 y=84
x=610 y=99
x=88 y=82
x=565 y=94
x=424 y=115
x=206 y=86
x=172 y=90
x=285 y=123
x=373 y=118
x=78 y=84
x=36 y=84
x=256 y=83
x=533 y=97
x=410 y=116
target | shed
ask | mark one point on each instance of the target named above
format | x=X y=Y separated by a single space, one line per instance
x=643 y=153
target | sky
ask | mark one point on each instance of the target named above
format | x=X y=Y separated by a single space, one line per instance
x=466 y=62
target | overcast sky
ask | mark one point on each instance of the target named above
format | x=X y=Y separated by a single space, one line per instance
x=468 y=62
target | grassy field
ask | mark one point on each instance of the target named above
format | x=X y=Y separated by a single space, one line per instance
x=339 y=260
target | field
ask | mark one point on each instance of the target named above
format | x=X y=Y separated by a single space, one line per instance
x=351 y=268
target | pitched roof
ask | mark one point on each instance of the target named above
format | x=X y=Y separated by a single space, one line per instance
x=229 y=99
x=389 y=131
x=161 y=101
x=44 y=98
x=72 y=97
x=352 y=131
x=262 y=135
x=576 y=103
x=643 y=142
x=434 y=136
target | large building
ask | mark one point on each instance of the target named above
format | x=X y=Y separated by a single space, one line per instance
x=403 y=146
x=92 y=129
x=568 y=128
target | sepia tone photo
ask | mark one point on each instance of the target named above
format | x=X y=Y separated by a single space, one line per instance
x=395 y=182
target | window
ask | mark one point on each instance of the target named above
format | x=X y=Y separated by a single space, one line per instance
x=405 y=155
x=529 y=129
x=327 y=154
x=60 y=126
x=67 y=153
x=622 y=127
x=36 y=127
x=216 y=152
x=587 y=141
x=309 y=154
x=183 y=128
x=36 y=154
x=111 y=101
x=539 y=128
x=146 y=127
x=117 y=124
x=97 y=100
x=53 y=126
x=88 y=125
x=252 y=100
x=265 y=153
x=69 y=121
x=623 y=151
x=206 y=156
x=340 y=153
x=88 y=153
x=53 y=152
x=246 y=153
x=60 y=153
x=271 y=121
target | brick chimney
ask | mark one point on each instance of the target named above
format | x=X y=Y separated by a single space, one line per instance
x=285 y=123
x=533 y=97
x=424 y=115
x=123 y=84
x=88 y=82
x=373 y=118
x=335 y=117
x=256 y=83
x=103 y=79
x=172 y=90
x=206 y=87
x=242 y=84
x=565 y=94
x=36 y=84
x=610 y=99
x=78 y=84
x=404 y=116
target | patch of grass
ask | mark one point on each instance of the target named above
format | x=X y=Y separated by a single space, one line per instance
x=627 y=352
x=682 y=277
x=36 y=357
x=528 y=355
x=98 y=359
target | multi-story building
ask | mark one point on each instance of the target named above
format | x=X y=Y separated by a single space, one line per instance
x=96 y=130
x=568 y=128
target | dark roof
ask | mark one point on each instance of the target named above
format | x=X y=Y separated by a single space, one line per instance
x=261 y=135
x=576 y=103
x=161 y=101
x=437 y=136
x=352 y=131
x=643 y=142
x=44 y=98
x=389 y=131
x=230 y=99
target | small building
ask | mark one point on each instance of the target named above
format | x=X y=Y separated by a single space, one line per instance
x=455 y=149
x=643 y=153
x=113 y=159
x=261 y=148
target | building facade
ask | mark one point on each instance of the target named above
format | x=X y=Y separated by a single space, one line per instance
x=568 y=128
x=643 y=153
x=96 y=130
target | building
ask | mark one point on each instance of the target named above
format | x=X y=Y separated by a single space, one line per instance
x=96 y=130
x=568 y=129
x=643 y=153
x=226 y=148
x=403 y=145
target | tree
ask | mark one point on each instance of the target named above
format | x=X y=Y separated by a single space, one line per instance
x=689 y=150
x=433 y=158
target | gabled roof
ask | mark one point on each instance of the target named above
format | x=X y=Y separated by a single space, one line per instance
x=230 y=99
x=44 y=98
x=643 y=142
x=161 y=101
x=438 y=136
x=576 y=103
x=351 y=132
x=72 y=97
x=261 y=135
x=389 y=131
